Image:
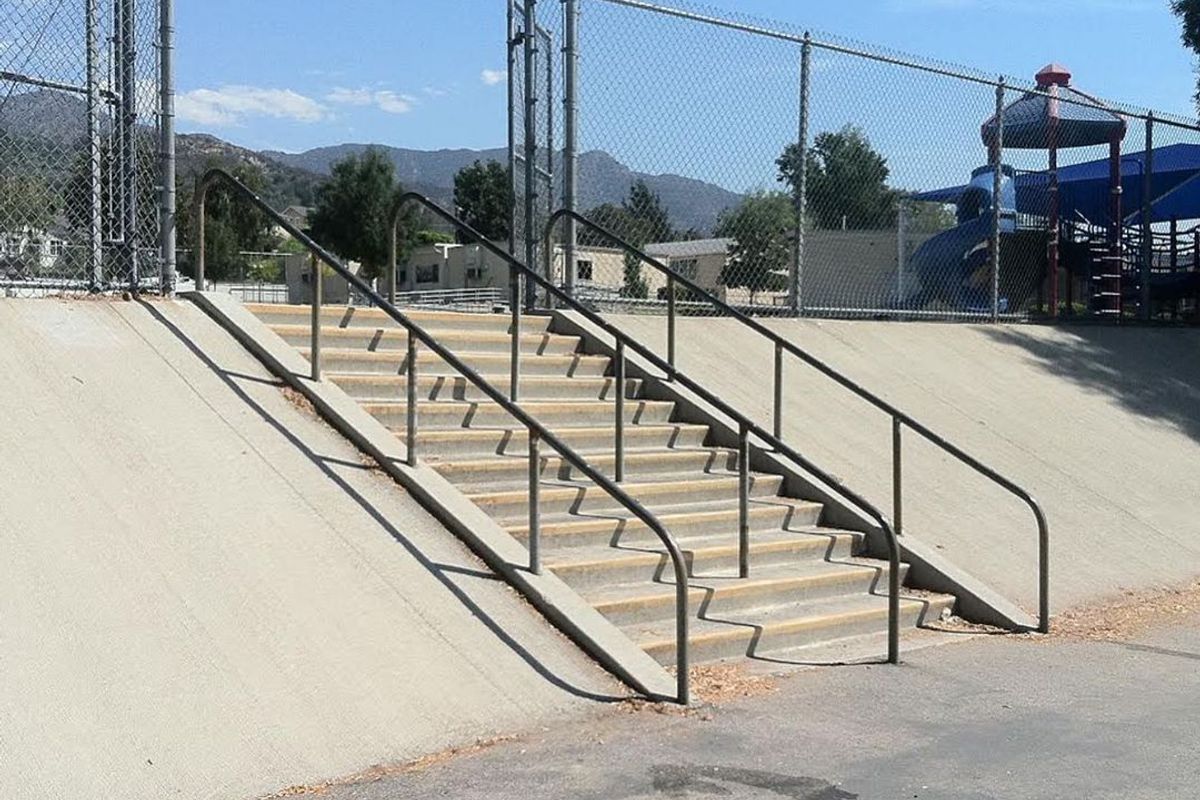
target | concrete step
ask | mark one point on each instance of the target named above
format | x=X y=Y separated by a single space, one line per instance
x=382 y=340
x=511 y=505
x=703 y=519
x=391 y=362
x=716 y=597
x=500 y=471
x=591 y=568
x=556 y=415
x=448 y=386
x=354 y=316
x=759 y=633
x=439 y=445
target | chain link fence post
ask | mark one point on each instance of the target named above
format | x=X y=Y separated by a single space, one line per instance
x=529 y=41
x=796 y=278
x=1144 y=309
x=570 y=157
x=997 y=165
x=167 y=232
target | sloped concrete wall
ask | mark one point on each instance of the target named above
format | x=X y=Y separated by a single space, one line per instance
x=1102 y=425
x=206 y=593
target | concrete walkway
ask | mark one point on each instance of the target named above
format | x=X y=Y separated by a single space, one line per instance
x=205 y=592
x=1101 y=424
x=991 y=718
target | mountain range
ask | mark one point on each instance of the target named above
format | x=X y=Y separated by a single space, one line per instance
x=61 y=120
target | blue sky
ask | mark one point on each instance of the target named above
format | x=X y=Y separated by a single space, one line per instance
x=427 y=74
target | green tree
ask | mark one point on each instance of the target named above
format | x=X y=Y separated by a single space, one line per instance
x=847 y=181
x=232 y=226
x=1188 y=12
x=26 y=201
x=354 y=208
x=761 y=227
x=484 y=197
x=639 y=220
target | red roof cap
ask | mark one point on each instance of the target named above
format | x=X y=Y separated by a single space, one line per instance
x=1053 y=74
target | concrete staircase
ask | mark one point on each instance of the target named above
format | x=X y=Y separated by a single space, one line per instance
x=809 y=584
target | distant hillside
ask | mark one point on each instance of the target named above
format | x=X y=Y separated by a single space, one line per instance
x=57 y=120
x=602 y=179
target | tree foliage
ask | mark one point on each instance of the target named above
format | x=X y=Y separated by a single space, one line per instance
x=232 y=227
x=640 y=219
x=484 y=197
x=354 y=209
x=762 y=227
x=1188 y=12
x=847 y=181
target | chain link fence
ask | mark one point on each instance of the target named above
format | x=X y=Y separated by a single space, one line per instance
x=80 y=146
x=790 y=172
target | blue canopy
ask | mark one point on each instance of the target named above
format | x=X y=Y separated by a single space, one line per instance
x=1084 y=189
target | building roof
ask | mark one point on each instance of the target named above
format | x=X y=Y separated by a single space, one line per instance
x=692 y=249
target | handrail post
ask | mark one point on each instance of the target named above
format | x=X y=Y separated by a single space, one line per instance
x=393 y=256
x=897 y=476
x=315 y=270
x=671 y=326
x=619 y=436
x=201 y=249
x=1043 y=569
x=514 y=302
x=535 y=504
x=777 y=428
x=410 y=424
x=893 y=655
x=743 y=457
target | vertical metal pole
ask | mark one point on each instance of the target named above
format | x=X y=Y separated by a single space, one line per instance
x=166 y=114
x=743 y=456
x=897 y=477
x=796 y=278
x=535 y=504
x=901 y=247
x=549 y=133
x=570 y=157
x=393 y=257
x=671 y=325
x=510 y=44
x=316 y=280
x=201 y=247
x=1147 y=221
x=95 y=193
x=1174 y=244
x=1054 y=202
x=619 y=440
x=997 y=159
x=777 y=427
x=1116 y=263
x=529 y=40
x=410 y=411
x=129 y=118
x=514 y=302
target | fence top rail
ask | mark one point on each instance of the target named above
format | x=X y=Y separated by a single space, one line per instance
x=577 y=461
x=812 y=361
x=848 y=47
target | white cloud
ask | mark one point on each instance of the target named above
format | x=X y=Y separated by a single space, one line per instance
x=229 y=105
x=383 y=99
x=433 y=91
x=491 y=77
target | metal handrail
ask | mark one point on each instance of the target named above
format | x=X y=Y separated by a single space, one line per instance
x=536 y=431
x=746 y=426
x=900 y=420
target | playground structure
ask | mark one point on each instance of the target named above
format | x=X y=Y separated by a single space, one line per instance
x=1095 y=249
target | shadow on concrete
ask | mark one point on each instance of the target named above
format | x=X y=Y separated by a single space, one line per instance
x=442 y=572
x=1152 y=372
